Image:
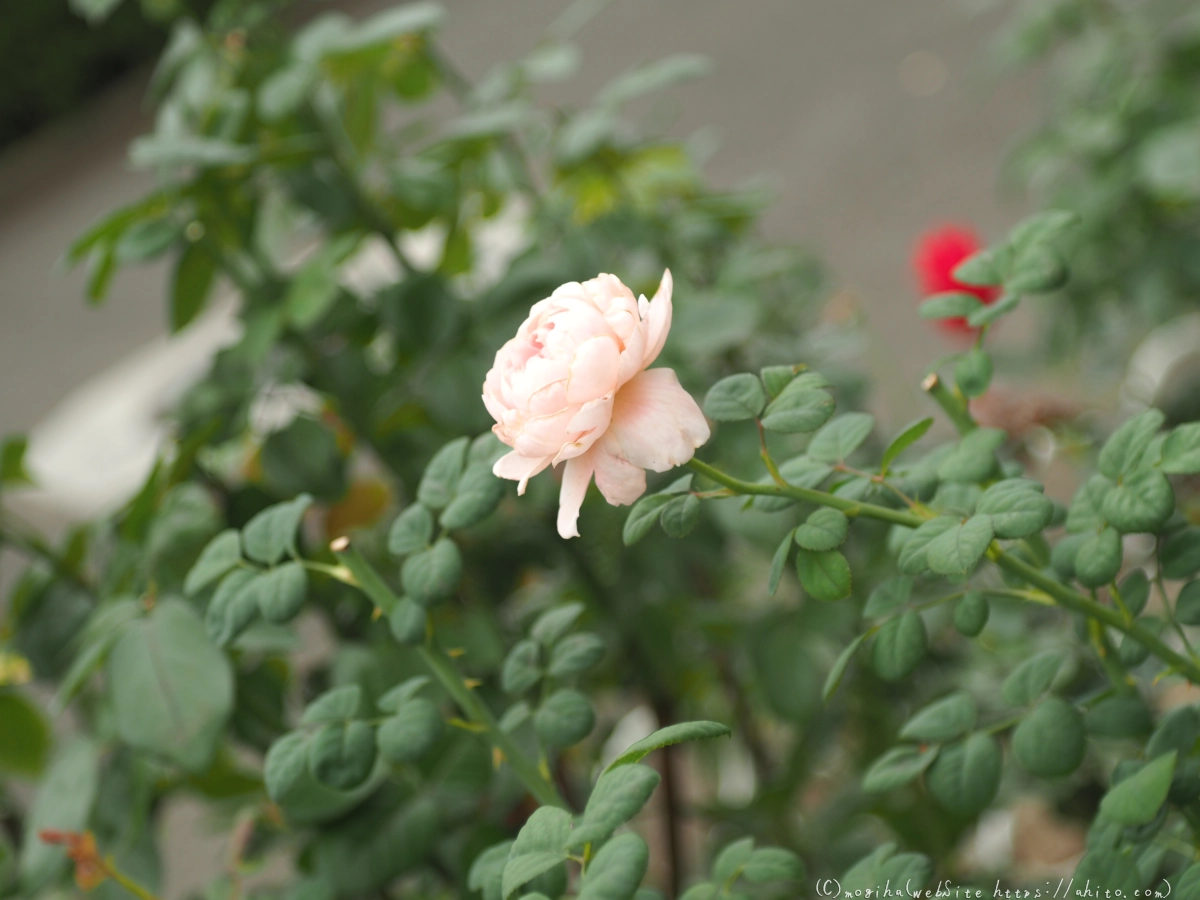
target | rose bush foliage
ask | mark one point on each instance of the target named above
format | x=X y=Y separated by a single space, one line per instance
x=381 y=665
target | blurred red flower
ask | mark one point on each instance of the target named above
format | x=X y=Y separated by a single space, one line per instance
x=937 y=254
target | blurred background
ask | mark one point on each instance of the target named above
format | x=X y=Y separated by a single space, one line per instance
x=871 y=122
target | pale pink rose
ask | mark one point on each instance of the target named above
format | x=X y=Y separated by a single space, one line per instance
x=573 y=387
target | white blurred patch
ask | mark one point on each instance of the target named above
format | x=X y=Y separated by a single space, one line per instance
x=636 y=724
x=736 y=781
x=95 y=449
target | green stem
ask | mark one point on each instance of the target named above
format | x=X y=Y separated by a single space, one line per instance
x=125 y=881
x=954 y=405
x=443 y=669
x=1077 y=602
x=1060 y=593
x=851 y=508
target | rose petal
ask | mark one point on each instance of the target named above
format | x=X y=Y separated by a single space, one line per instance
x=656 y=424
x=577 y=474
x=516 y=467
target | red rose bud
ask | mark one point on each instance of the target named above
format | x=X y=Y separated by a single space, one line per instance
x=937 y=254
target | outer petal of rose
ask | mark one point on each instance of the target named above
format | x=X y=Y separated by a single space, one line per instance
x=516 y=467
x=619 y=480
x=577 y=475
x=657 y=316
x=656 y=423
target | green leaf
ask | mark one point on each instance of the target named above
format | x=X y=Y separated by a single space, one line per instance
x=617 y=870
x=825 y=529
x=538 y=848
x=680 y=515
x=1141 y=502
x=971 y=613
x=1042 y=227
x=776 y=378
x=271 y=533
x=402 y=693
x=949 y=305
x=1180 y=554
x=840 y=437
x=942 y=720
x=442 y=475
x=779 y=561
x=407 y=622
x=1115 y=870
x=834 y=678
x=171 y=689
x=565 y=718
x=1099 y=558
x=103 y=627
x=966 y=774
x=64 y=802
x=899 y=646
x=619 y=795
x=664 y=737
x=220 y=555
x=798 y=411
x=979 y=270
x=1187 y=604
x=522 y=668
x=1123 y=451
x=905 y=439
x=1135 y=591
x=339 y=704
x=432 y=574
x=897 y=767
x=1052 y=740
x=12 y=460
x=191 y=285
x=1036 y=270
x=1017 y=507
x=1137 y=799
x=957 y=550
x=824 y=575
x=1031 y=679
x=312 y=291
x=1084 y=514
x=575 y=654
x=885 y=866
x=1181 y=450
x=95 y=11
x=773 y=864
x=26 y=737
x=279 y=592
x=974 y=459
x=341 y=755
x=973 y=372
x=555 y=622
x=735 y=398
x=232 y=607
x=888 y=597
x=411 y=733
x=285 y=765
x=479 y=493
x=1119 y=716
x=175 y=150
x=654 y=76
x=994 y=311
x=729 y=862
x=642 y=517
x=412 y=531
x=913 y=560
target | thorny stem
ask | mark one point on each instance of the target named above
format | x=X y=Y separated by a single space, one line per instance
x=443 y=668
x=952 y=403
x=1061 y=594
